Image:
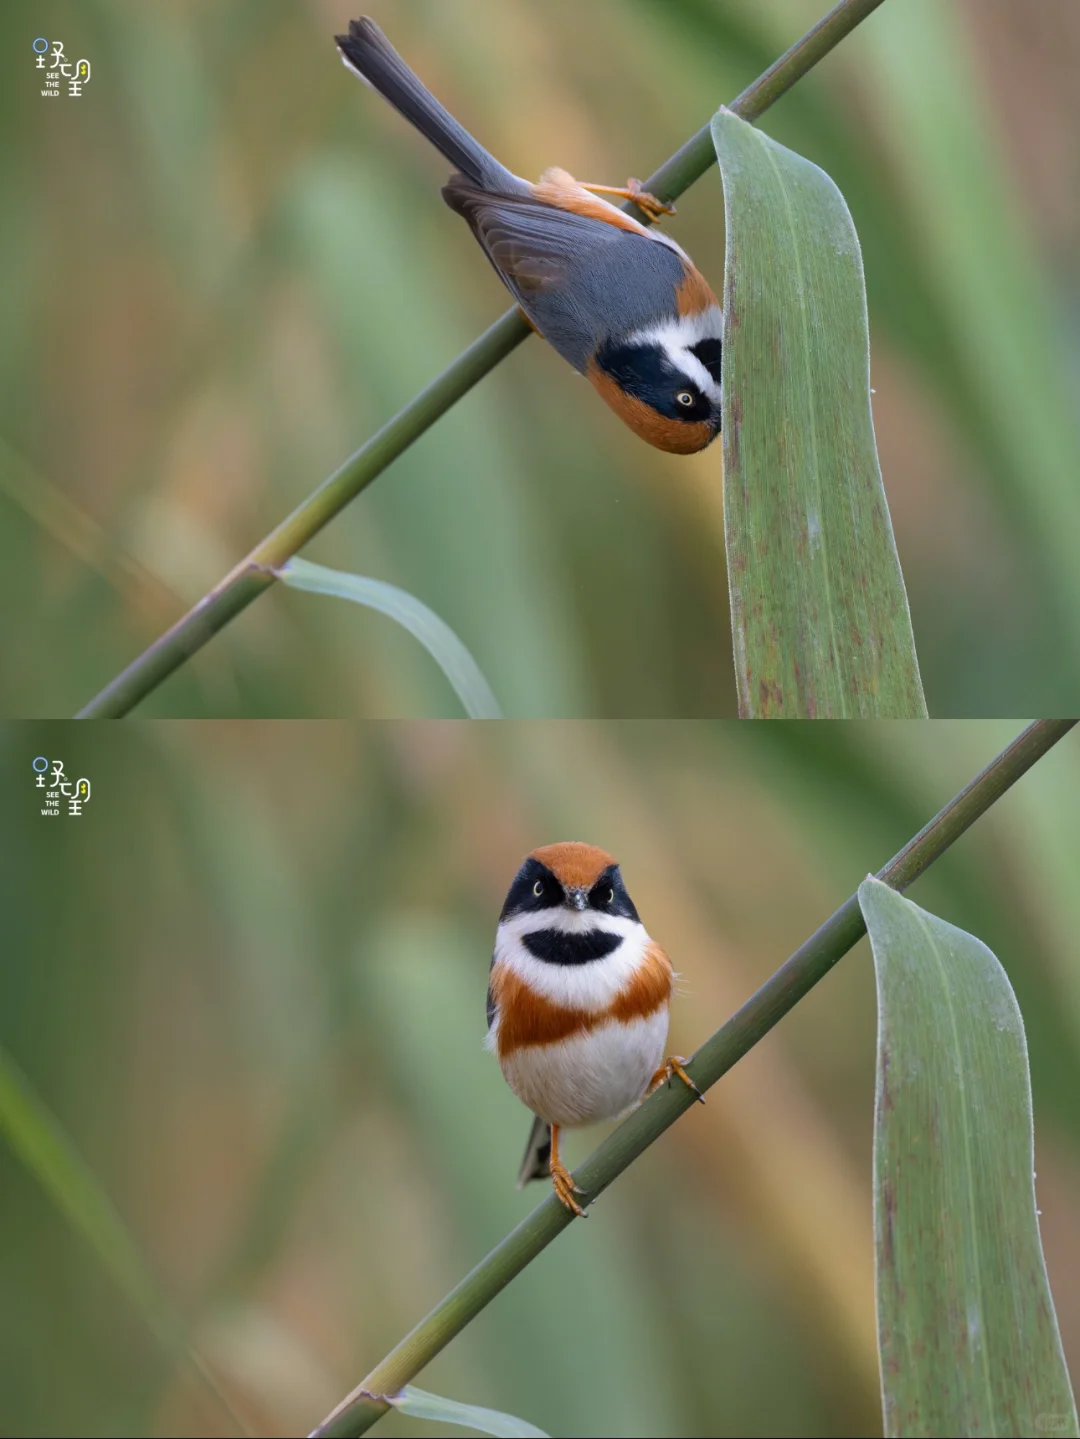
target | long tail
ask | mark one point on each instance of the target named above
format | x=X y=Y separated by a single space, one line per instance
x=537 y=1161
x=366 y=50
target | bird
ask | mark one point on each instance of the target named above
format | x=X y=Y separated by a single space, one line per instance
x=577 y=1003
x=622 y=302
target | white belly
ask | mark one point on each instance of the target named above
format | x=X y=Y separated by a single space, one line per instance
x=589 y=1077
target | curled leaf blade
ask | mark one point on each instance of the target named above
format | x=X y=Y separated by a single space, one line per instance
x=440 y=641
x=422 y=1405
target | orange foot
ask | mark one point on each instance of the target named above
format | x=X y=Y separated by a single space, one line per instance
x=562 y=1180
x=667 y=1071
x=632 y=190
x=564 y=1186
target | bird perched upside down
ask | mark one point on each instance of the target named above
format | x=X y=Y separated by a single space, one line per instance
x=577 y=1002
x=622 y=302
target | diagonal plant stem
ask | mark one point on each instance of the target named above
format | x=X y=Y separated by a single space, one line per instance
x=255 y=573
x=795 y=978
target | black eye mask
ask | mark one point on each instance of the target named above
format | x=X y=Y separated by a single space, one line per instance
x=646 y=373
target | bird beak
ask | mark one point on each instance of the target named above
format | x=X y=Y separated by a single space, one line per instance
x=579 y=898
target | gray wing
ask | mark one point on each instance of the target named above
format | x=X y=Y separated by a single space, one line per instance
x=532 y=244
x=579 y=280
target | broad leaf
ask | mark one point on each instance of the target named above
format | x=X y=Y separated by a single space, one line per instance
x=819 y=612
x=968 y=1336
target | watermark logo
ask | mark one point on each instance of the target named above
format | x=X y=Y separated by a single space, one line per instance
x=59 y=790
x=1054 y=1423
x=59 y=70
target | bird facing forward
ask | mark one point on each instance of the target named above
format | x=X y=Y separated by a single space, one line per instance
x=577 y=1002
x=622 y=302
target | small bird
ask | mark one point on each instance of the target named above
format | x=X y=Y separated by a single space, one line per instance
x=621 y=302
x=577 y=1002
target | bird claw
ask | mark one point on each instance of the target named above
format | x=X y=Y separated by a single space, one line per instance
x=562 y=1182
x=633 y=190
x=652 y=206
x=668 y=1070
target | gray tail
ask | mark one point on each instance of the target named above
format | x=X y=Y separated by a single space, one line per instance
x=366 y=50
x=537 y=1161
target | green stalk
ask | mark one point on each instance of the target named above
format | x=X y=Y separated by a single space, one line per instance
x=254 y=574
x=795 y=978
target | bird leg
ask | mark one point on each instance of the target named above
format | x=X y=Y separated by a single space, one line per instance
x=632 y=190
x=667 y=1071
x=562 y=1180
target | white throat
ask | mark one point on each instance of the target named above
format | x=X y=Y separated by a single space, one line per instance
x=676 y=337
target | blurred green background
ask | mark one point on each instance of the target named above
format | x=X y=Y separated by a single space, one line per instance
x=227 y=263
x=250 y=978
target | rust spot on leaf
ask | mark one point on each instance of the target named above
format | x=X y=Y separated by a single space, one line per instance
x=888 y=1207
x=770 y=698
x=731 y=315
x=886 y=1092
x=734 y=429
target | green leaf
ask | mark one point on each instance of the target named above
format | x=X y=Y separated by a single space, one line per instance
x=422 y=1405
x=819 y=613
x=968 y=1336
x=440 y=641
x=40 y=1141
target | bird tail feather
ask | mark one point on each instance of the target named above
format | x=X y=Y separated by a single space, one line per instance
x=367 y=51
x=537 y=1161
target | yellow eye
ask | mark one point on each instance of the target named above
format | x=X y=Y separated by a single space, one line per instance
x=684 y=398
x=538 y=888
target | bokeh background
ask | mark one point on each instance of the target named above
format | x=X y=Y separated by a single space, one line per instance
x=249 y=981
x=226 y=264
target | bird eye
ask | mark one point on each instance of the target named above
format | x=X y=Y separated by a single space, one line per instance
x=538 y=888
x=684 y=398
x=611 y=896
